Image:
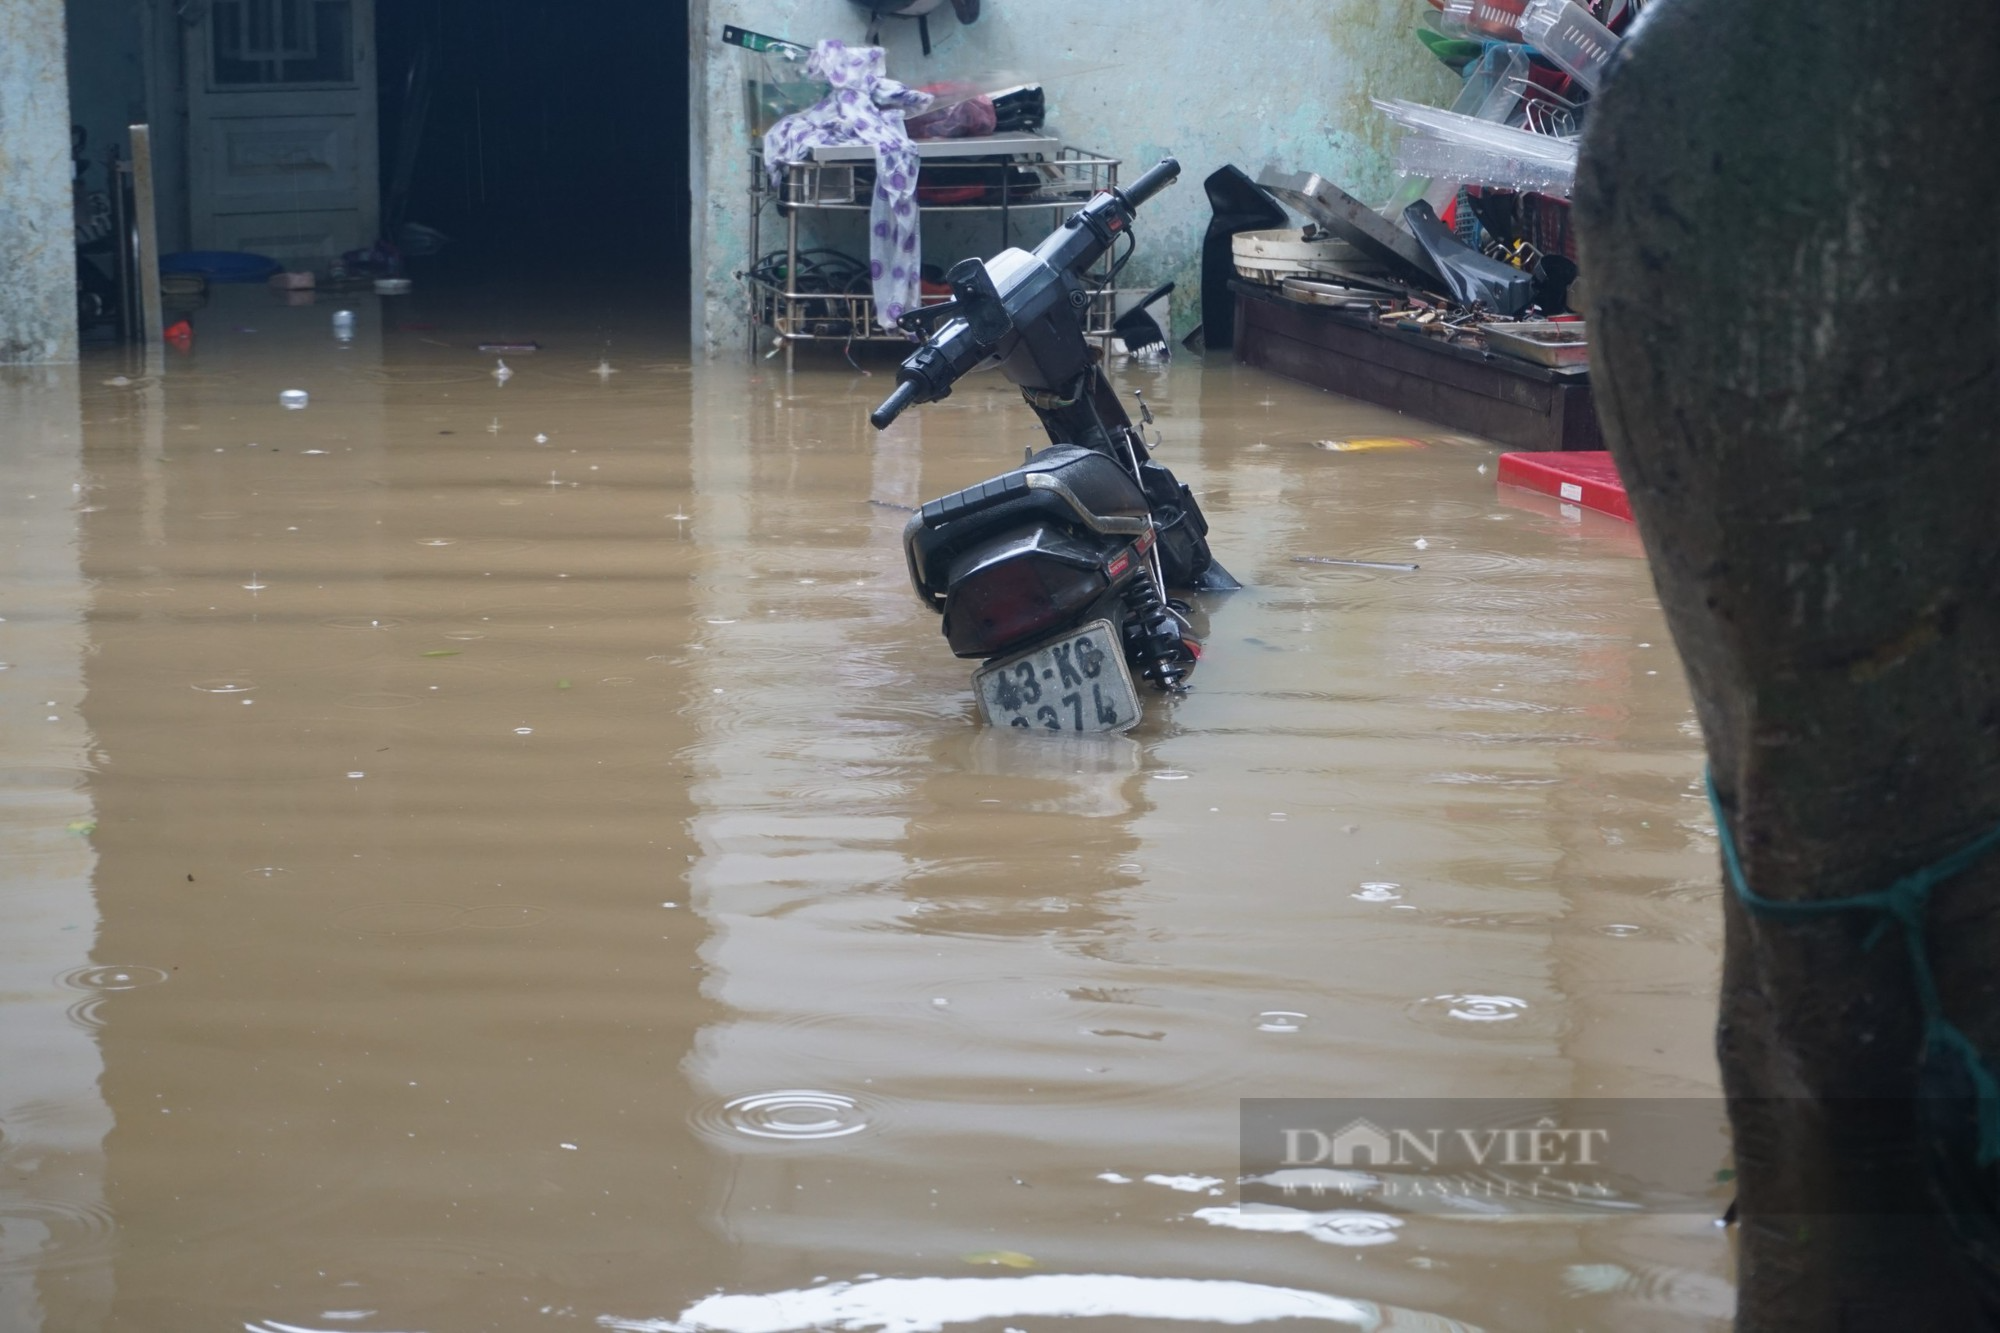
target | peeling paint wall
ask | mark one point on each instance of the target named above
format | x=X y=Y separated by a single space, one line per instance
x=1249 y=82
x=37 y=212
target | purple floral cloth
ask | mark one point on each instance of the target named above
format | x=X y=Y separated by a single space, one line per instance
x=864 y=107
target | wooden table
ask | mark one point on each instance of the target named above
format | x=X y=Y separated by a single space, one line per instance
x=1514 y=402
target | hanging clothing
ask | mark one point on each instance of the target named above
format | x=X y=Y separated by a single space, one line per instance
x=865 y=107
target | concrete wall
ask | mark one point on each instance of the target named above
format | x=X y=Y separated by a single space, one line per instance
x=37 y=210
x=1249 y=82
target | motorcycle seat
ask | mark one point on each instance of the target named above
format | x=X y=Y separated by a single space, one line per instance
x=939 y=531
x=1099 y=482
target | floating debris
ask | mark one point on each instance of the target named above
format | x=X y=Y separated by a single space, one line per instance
x=1368 y=444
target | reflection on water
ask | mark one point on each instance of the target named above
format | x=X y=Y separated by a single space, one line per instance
x=930 y=1305
x=57 y=1232
x=596 y=903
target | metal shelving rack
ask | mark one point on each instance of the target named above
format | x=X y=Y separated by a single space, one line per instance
x=831 y=184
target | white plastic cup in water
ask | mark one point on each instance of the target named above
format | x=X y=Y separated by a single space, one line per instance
x=293 y=398
x=343 y=325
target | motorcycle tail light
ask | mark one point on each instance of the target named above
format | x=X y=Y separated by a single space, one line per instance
x=1011 y=601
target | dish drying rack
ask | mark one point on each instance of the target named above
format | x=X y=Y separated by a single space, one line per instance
x=1037 y=182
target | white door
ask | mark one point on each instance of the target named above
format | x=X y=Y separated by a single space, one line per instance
x=281 y=127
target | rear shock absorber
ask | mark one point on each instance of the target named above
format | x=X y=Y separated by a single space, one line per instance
x=1153 y=641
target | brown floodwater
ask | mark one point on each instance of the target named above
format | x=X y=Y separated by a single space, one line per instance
x=514 y=855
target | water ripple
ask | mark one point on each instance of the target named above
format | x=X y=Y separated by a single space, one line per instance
x=362 y=622
x=110 y=977
x=1498 y=1014
x=75 y=1233
x=791 y=1115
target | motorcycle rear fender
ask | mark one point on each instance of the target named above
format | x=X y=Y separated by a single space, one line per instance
x=1066 y=572
x=1072 y=489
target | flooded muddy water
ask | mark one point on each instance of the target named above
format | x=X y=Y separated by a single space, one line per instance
x=514 y=855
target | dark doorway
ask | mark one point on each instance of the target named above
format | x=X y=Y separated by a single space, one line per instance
x=548 y=141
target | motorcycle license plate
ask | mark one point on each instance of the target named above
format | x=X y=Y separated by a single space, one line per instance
x=1074 y=682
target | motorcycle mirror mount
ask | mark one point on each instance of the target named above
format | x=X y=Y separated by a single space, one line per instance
x=924 y=317
x=977 y=301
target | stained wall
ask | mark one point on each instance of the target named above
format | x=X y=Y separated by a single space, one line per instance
x=37 y=249
x=1249 y=82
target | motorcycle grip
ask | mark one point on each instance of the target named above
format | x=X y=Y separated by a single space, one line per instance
x=892 y=406
x=1156 y=179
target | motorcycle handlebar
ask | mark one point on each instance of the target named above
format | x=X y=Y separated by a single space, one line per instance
x=1155 y=180
x=892 y=406
x=980 y=317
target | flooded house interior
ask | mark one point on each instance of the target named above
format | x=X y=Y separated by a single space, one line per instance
x=493 y=841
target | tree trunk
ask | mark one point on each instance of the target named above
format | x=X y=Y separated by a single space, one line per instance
x=1788 y=212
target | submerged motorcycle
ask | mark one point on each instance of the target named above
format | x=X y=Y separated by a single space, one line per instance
x=1059 y=573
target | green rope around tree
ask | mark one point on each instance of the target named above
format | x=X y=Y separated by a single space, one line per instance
x=1904 y=902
